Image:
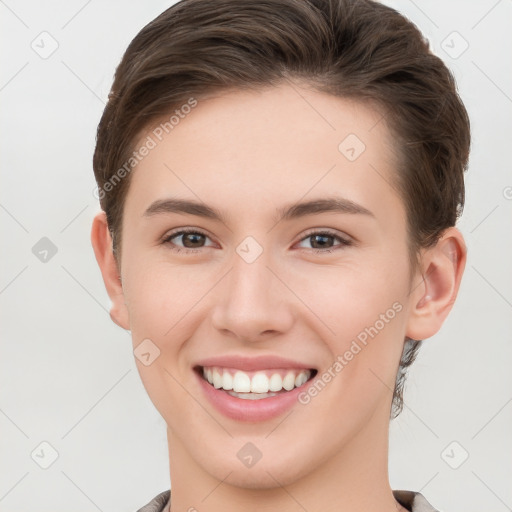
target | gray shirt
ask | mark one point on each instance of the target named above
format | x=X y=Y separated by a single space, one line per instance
x=413 y=501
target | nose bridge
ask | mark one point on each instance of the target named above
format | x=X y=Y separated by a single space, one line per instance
x=252 y=301
x=251 y=280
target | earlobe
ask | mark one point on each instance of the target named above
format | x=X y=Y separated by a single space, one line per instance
x=102 y=245
x=434 y=293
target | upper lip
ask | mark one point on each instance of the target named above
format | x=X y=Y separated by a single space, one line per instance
x=254 y=363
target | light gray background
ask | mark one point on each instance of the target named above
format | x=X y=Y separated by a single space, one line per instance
x=67 y=373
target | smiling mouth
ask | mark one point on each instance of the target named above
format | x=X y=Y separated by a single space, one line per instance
x=255 y=385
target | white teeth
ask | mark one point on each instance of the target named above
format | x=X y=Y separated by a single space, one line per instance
x=251 y=396
x=276 y=383
x=241 y=382
x=260 y=384
x=217 y=379
x=227 y=381
x=207 y=374
x=300 y=379
x=289 y=381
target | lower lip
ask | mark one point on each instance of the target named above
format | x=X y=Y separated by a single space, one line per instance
x=250 y=410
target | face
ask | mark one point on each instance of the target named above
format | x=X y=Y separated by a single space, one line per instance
x=295 y=266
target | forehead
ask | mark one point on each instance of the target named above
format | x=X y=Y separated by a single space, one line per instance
x=257 y=150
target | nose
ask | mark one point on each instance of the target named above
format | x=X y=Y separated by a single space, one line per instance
x=252 y=303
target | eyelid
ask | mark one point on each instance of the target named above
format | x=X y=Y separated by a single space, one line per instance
x=183 y=231
x=344 y=241
x=327 y=231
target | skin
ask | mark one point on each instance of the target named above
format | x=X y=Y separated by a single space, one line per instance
x=248 y=154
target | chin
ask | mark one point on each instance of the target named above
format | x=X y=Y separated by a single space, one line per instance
x=264 y=474
x=262 y=478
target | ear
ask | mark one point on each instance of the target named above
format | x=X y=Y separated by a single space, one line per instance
x=435 y=287
x=103 y=250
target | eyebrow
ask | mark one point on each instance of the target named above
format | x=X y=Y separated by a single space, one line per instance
x=289 y=212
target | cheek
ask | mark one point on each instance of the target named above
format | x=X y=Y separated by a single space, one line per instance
x=361 y=311
x=351 y=296
x=162 y=301
x=161 y=296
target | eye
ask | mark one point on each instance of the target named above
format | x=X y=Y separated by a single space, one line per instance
x=322 y=241
x=192 y=240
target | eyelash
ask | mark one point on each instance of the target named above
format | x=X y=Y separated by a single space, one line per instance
x=343 y=241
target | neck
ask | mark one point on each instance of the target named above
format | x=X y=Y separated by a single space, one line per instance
x=355 y=479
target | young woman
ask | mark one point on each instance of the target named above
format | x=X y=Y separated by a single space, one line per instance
x=280 y=183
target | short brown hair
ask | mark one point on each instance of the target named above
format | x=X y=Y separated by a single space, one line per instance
x=359 y=49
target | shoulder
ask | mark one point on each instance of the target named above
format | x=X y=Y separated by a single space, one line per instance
x=158 y=504
x=413 y=501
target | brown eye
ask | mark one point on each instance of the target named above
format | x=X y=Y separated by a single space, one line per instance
x=192 y=240
x=324 y=241
x=186 y=239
